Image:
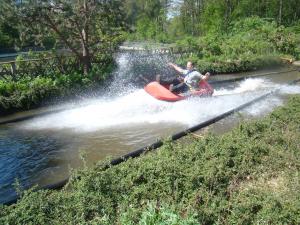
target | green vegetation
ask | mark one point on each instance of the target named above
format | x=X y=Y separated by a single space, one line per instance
x=252 y=43
x=28 y=92
x=86 y=31
x=222 y=36
x=247 y=176
x=31 y=92
x=8 y=35
x=85 y=28
x=170 y=20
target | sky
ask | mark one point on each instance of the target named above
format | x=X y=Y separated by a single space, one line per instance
x=174 y=8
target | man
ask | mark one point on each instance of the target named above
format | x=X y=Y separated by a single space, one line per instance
x=189 y=79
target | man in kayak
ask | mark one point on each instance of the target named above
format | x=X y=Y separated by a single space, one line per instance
x=188 y=80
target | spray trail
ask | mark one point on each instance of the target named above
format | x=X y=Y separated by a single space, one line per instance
x=139 y=109
x=251 y=84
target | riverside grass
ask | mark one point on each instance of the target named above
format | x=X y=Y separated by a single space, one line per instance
x=249 y=175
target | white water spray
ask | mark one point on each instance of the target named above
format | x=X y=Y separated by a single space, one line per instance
x=251 y=84
x=139 y=109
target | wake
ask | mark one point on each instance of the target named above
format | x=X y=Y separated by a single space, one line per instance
x=137 y=108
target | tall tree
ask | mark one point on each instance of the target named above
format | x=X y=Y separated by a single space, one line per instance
x=190 y=11
x=147 y=17
x=84 y=26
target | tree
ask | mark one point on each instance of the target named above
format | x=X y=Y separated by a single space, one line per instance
x=147 y=17
x=9 y=34
x=85 y=27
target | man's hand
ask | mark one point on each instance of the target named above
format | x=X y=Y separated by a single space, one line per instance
x=177 y=68
x=171 y=64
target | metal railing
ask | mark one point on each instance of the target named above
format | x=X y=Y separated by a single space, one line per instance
x=38 y=67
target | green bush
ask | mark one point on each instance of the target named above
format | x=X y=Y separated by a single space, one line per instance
x=155 y=214
x=250 y=44
x=25 y=93
x=42 y=84
x=29 y=92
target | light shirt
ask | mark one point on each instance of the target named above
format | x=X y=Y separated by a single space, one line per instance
x=192 y=78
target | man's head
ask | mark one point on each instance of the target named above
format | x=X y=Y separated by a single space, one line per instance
x=190 y=65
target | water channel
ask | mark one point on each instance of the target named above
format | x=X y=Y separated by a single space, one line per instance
x=43 y=149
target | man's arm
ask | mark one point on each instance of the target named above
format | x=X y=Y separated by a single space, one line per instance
x=177 y=68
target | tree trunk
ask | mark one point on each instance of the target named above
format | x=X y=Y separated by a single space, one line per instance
x=84 y=42
x=280 y=13
x=227 y=13
x=85 y=54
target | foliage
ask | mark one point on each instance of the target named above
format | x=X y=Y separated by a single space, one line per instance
x=247 y=176
x=200 y=17
x=5 y=41
x=25 y=93
x=149 y=20
x=8 y=31
x=250 y=43
x=31 y=91
x=227 y=36
x=84 y=27
x=156 y=214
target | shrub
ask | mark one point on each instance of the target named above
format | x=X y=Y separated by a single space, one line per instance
x=250 y=43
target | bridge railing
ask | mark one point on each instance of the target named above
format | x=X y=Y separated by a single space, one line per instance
x=65 y=64
x=163 y=50
x=38 y=67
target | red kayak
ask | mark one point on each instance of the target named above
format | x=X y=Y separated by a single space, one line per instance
x=162 y=92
